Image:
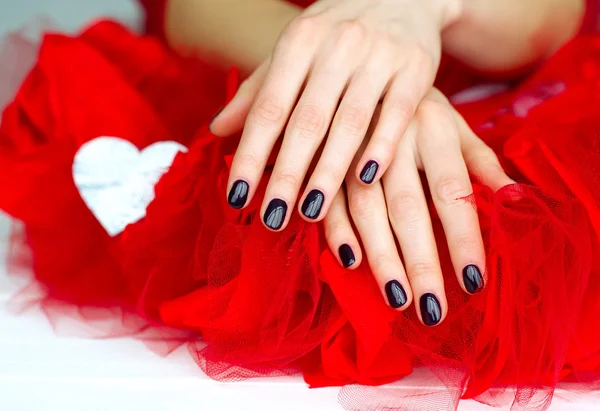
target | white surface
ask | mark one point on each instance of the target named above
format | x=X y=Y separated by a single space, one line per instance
x=40 y=371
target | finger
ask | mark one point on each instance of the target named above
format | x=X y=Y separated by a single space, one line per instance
x=340 y=234
x=310 y=121
x=348 y=129
x=398 y=109
x=410 y=219
x=270 y=110
x=368 y=210
x=231 y=118
x=481 y=161
x=451 y=190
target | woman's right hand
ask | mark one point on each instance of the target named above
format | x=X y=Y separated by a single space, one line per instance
x=440 y=143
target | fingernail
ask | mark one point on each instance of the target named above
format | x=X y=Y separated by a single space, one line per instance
x=473 y=279
x=369 y=171
x=346 y=255
x=311 y=207
x=238 y=194
x=395 y=294
x=275 y=214
x=431 y=312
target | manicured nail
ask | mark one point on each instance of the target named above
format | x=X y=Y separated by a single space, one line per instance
x=395 y=294
x=369 y=171
x=346 y=255
x=473 y=279
x=431 y=311
x=311 y=207
x=238 y=194
x=275 y=214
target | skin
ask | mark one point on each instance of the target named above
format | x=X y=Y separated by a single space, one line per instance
x=350 y=81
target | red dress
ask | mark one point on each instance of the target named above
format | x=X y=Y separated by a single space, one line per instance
x=171 y=263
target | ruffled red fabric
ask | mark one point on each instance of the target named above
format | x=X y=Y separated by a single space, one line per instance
x=251 y=302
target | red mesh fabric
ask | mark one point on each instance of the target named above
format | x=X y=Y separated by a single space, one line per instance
x=253 y=303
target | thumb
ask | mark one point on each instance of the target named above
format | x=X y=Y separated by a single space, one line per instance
x=232 y=118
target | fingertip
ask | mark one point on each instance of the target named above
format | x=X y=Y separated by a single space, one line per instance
x=431 y=310
x=367 y=173
x=473 y=280
x=312 y=207
x=348 y=258
x=398 y=296
x=275 y=215
x=237 y=196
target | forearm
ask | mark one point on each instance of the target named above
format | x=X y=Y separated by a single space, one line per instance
x=240 y=32
x=494 y=36
x=498 y=36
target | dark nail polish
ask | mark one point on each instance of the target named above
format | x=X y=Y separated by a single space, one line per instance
x=431 y=311
x=238 y=194
x=311 y=207
x=347 y=255
x=368 y=173
x=473 y=279
x=395 y=294
x=275 y=214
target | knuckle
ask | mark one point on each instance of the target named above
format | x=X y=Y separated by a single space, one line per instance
x=421 y=56
x=267 y=112
x=302 y=28
x=353 y=119
x=308 y=120
x=361 y=202
x=332 y=174
x=404 y=206
x=286 y=178
x=334 y=226
x=449 y=190
x=380 y=262
x=351 y=32
x=481 y=159
x=465 y=242
x=434 y=109
x=387 y=146
x=422 y=271
x=248 y=162
x=402 y=109
x=384 y=44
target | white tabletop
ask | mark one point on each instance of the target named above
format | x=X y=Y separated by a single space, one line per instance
x=41 y=371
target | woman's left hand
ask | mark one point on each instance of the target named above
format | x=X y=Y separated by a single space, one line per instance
x=395 y=211
x=331 y=68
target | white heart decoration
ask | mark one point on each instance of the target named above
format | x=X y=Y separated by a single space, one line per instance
x=116 y=180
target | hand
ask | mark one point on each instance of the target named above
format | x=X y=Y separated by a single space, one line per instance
x=330 y=69
x=439 y=142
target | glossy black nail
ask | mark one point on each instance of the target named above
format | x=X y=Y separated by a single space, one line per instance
x=369 y=171
x=275 y=214
x=238 y=195
x=431 y=311
x=346 y=255
x=473 y=279
x=395 y=294
x=311 y=207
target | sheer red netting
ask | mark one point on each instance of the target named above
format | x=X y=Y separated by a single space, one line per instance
x=254 y=303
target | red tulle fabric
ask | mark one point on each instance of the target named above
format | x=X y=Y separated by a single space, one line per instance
x=250 y=302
